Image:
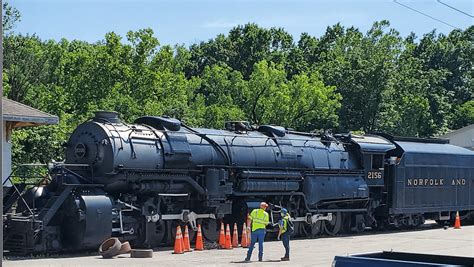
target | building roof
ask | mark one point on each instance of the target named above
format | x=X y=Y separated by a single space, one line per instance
x=458 y=131
x=24 y=115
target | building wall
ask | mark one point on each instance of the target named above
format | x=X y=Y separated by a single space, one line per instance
x=6 y=154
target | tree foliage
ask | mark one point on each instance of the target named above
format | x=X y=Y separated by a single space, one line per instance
x=344 y=80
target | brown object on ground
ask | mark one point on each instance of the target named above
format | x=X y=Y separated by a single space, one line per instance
x=110 y=248
x=125 y=249
x=141 y=253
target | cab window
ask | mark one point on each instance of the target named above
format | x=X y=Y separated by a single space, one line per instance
x=377 y=161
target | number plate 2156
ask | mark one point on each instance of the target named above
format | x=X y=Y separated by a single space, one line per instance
x=374 y=175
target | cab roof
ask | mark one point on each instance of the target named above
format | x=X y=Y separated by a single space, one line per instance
x=372 y=143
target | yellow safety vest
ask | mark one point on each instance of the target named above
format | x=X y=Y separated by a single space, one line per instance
x=259 y=219
x=284 y=224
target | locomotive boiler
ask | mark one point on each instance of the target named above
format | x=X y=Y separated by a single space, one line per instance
x=139 y=181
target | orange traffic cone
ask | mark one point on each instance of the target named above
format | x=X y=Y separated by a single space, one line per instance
x=245 y=239
x=178 y=242
x=249 y=230
x=199 y=243
x=235 y=237
x=186 y=241
x=222 y=237
x=248 y=221
x=228 y=241
x=457 y=222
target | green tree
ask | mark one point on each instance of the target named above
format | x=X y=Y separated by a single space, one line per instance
x=312 y=104
x=405 y=108
x=464 y=114
x=11 y=16
x=360 y=67
x=303 y=103
x=241 y=49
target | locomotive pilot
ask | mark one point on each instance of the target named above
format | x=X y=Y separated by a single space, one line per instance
x=260 y=220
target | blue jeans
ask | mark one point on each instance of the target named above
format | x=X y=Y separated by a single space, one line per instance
x=285 y=238
x=257 y=235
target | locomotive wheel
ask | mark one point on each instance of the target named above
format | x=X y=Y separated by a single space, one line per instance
x=333 y=227
x=296 y=232
x=153 y=235
x=160 y=231
x=271 y=235
x=316 y=229
x=210 y=230
x=384 y=225
x=308 y=230
x=346 y=223
x=305 y=229
x=418 y=220
x=360 y=226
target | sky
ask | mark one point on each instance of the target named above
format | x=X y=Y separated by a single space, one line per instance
x=192 y=21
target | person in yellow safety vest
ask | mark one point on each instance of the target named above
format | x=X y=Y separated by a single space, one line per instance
x=286 y=229
x=260 y=220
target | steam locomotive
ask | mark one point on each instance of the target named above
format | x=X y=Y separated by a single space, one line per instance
x=139 y=181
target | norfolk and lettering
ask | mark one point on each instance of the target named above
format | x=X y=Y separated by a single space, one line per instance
x=435 y=181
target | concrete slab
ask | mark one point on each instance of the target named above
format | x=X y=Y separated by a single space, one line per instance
x=308 y=252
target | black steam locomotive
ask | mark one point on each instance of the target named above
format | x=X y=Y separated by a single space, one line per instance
x=139 y=181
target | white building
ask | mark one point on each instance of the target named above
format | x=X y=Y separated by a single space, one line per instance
x=463 y=137
x=17 y=115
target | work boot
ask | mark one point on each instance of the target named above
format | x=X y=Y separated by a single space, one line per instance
x=247 y=260
x=285 y=259
x=260 y=260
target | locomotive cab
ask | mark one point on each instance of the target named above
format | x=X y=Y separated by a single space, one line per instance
x=373 y=150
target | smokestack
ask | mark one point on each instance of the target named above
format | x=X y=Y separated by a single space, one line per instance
x=110 y=116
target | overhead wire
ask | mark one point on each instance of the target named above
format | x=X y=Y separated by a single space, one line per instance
x=458 y=10
x=424 y=14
